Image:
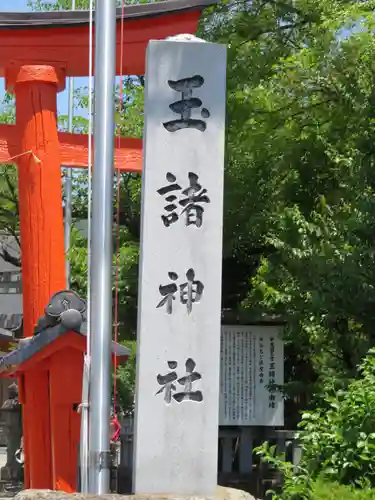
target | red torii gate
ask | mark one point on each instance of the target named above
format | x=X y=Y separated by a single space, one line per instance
x=38 y=51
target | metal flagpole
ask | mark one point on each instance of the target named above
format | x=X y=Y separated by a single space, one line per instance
x=68 y=182
x=102 y=247
x=84 y=437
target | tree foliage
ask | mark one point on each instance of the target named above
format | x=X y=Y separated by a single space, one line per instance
x=299 y=174
x=338 y=437
x=9 y=221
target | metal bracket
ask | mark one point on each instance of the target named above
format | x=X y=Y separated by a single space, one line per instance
x=100 y=460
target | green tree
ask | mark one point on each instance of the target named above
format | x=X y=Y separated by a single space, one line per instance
x=9 y=221
x=299 y=184
x=127 y=189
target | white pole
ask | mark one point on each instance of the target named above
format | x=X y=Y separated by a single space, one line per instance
x=84 y=437
x=102 y=246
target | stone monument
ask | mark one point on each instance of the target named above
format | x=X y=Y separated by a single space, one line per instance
x=12 y=410
x=179 y=307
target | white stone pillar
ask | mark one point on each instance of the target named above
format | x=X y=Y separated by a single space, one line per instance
x=178 y=359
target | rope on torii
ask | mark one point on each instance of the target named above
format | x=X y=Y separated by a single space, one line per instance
x=115 y=422
x=29 y=152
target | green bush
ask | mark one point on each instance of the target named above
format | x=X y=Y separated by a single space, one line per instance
x=296 y=484
x=338 y=439
x=338 y=445
x=299 y=485
x=333 y=491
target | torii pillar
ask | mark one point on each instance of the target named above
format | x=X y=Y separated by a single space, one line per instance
x=41 y=222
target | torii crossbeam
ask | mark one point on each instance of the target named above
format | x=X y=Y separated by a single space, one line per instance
x=74 y=150
x=38 y=52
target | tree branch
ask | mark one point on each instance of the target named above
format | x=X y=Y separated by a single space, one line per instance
x=11 y=188
x=275 y=31
x=300 y=112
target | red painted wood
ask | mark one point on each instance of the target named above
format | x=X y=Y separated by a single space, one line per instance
x=42 y=238
x=66 y=367
x=74 y=149
x=68 y=339
x=36 y=424
x=67 y=48
x=40 y=193
x=62 y=360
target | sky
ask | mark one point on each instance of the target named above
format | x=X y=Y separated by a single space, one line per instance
x=13 y=5
x=62 y=98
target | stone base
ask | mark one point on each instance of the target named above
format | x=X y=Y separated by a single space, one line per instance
x=5 y=473
x=14 y=473
x=221 y=494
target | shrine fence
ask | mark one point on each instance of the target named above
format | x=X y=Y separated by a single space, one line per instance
x=238 y=464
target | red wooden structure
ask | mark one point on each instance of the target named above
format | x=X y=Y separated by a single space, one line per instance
x=54 y=409
x=38 y=51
